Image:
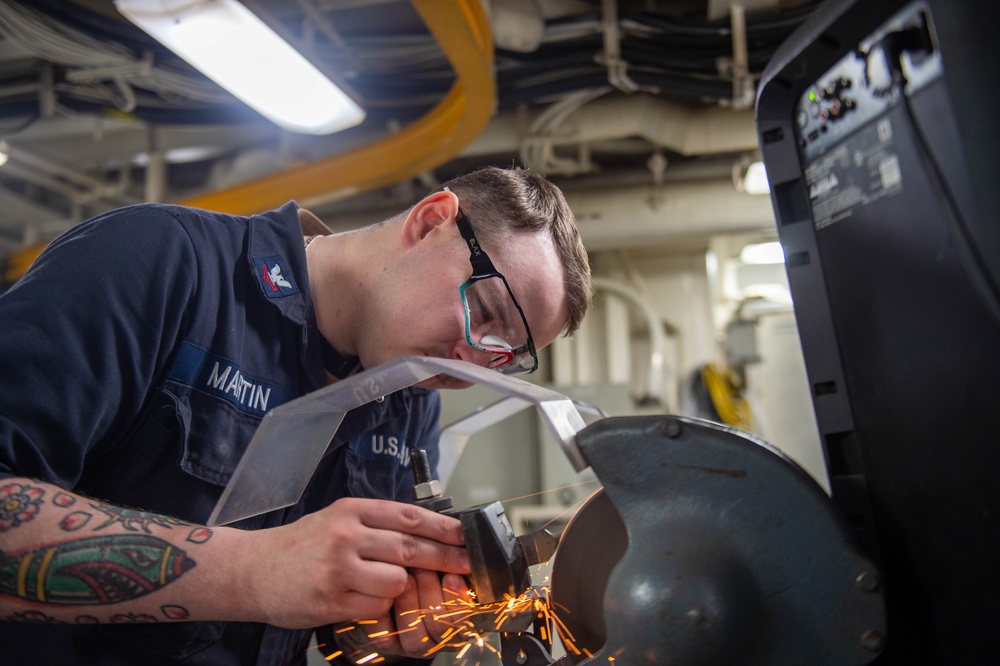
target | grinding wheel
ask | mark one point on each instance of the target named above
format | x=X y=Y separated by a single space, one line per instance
x=591 y=545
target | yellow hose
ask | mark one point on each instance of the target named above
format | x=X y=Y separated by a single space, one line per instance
x=727 y=398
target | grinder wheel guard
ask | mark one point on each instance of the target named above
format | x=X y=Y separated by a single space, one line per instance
x=709 y=546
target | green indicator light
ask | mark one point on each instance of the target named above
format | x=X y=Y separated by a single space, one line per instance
x=812 y=95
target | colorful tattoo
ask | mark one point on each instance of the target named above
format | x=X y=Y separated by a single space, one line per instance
x=99 y=570
x=133 y=520
x=175 y=612
x=33 y=616
x=199 y=535
x=63 y=500
x=132 y=618
x=19 y=503
x=75 y=521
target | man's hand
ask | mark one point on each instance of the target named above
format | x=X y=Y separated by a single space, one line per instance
x=430 y=616
x=350 y=561
x=430 y=610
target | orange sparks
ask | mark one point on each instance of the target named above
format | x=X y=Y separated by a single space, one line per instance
x=465 y=622
x=550 y=490
x=334 y=655
x=345 y=630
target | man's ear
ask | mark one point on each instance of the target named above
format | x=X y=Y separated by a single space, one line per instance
x=435 y=211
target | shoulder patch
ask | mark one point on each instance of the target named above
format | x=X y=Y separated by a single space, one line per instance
x=275 y=279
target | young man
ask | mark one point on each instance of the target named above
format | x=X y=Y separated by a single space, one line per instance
x=139 y=355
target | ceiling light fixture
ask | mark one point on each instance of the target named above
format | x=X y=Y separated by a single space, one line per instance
x=4 y=153
x=234 y=48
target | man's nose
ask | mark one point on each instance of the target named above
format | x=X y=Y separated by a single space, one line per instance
x=463 y=351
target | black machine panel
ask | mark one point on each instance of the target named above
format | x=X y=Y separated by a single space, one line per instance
x=878 y=131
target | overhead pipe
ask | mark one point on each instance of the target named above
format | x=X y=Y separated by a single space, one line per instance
x=462 y=30
x=679 y=128
x=623 y=217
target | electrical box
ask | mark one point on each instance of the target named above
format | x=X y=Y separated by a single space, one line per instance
x=878 y=129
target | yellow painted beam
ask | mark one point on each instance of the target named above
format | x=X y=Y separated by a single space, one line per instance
x=17 y=263
x=462 y=29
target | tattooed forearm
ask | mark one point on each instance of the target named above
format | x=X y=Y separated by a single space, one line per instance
x=100 y=570
x=19 y=503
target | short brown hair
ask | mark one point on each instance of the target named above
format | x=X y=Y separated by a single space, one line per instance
x=500 y=200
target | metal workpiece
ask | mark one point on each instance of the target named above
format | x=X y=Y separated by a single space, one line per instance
x=498 y=562
x=538 y=546
x=292 y=438
x=708 y=546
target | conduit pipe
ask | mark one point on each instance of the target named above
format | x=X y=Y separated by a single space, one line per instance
x=462 y=30
x=681 y=129
x=657 y=338
x=623 y=217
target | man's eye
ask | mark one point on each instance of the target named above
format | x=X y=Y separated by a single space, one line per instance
x=485 y=314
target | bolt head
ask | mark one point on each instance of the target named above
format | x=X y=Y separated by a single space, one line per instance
x=672 y=428
x=422 y=491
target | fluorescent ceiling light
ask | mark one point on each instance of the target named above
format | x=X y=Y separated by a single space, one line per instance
x=234 y=48
x=763 y=253
x=4 y=153
x=755 y=179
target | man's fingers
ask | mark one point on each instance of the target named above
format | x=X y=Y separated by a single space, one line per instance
x=366 y=605
x=406 y=550
x=410 y=519
x=379 y=579
x=457 y=590
x=409 y=616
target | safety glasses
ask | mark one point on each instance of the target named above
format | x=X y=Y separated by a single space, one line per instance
x=494 y=320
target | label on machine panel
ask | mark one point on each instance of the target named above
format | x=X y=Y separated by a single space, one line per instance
x=862 y=169
x=845 y=134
